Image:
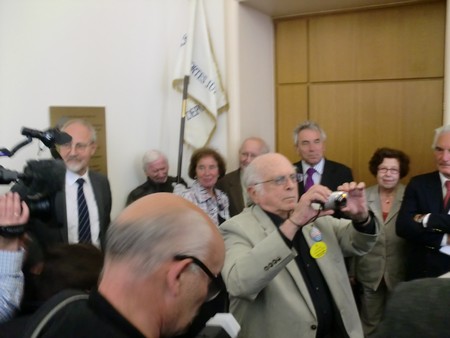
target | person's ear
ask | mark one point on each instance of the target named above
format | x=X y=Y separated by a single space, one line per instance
x=93 y=148
x=253 y=194
x=175 y=275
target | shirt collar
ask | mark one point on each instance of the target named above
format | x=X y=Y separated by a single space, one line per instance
x=72 y=177
x=318 y=167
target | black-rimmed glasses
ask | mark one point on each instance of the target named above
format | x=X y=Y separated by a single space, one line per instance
x=215 y=286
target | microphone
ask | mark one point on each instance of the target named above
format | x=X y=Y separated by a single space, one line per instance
x=49 y=137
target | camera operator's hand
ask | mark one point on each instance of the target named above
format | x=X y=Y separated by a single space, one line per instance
x=356 y=207
x=12 y=212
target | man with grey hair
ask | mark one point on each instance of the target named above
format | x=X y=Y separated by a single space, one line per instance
x=162 y=259
x=156 y=168
x=309 y=140
x=284 y=265
x=232 y=183
x=81 y=204
x=424 y=219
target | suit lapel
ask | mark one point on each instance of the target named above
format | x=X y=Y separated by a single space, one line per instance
x=268 y=227
x=96 y=187
x=373 y=201
x=397 y=203
x=327 y=174
x=61 y=214
x=236 y=189
x=433 y=193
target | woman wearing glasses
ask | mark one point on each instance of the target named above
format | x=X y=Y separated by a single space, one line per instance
x=383 y=268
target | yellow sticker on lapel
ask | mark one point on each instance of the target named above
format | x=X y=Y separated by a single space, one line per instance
x=318 y=250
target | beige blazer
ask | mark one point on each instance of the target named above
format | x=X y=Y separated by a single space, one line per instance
x=268 y=296
x=388 y=256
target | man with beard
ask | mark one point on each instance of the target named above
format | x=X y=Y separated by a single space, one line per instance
x=81 y=207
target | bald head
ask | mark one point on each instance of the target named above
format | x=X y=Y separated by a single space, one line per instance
x=251 y=148
x=159 y=226
x=263 y=166
x=144 y=277
x=271 y=182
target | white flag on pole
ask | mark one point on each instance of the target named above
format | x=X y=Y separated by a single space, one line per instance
x=206 y=96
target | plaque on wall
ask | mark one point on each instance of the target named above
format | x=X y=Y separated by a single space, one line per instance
x=95 y=116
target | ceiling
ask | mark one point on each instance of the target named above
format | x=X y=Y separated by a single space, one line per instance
x=285 y=8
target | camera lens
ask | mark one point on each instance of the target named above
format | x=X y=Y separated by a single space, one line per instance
x=336 y=200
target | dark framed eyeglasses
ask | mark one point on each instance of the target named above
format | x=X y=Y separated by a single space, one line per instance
x=282 y=180
x=393 y=171
x=216 y=284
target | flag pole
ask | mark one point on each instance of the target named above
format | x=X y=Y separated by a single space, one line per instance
x=182 y=125
x=187 y=71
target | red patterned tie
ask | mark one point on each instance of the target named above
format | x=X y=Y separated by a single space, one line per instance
x=447 y=195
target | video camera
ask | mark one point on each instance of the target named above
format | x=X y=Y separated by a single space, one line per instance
x=39 y=180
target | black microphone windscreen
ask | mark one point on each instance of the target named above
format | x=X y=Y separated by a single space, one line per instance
x=62 y=138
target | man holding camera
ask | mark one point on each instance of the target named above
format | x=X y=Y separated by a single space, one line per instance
x=284 y=266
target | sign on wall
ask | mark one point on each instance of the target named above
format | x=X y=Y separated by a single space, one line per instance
x=95 y=116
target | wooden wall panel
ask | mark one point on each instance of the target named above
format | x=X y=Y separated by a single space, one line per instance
x=361 y=117
x=401 y=42
x=291 y=51
x=374 y=78
x=291 y=110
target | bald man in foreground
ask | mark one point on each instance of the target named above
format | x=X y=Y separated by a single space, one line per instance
x=162 y=259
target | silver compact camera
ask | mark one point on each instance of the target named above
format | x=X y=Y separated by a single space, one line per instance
x=336 y=200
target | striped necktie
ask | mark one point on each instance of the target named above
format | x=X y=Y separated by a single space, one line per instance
x=84 y=225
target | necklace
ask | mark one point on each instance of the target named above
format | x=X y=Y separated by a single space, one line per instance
x=387 y=198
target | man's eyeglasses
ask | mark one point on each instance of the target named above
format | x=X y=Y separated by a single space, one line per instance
x=383 y=170
x=282 y=180
x=78 y=146
x=215 y=286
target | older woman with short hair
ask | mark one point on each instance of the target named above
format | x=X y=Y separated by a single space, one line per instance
x=383 y=268
x=206 y=167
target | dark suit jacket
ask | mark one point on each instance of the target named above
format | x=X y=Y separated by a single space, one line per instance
x=423 y=195
x=150 y=187
x=334 y=174
x=53 y=229
x=230 y=184
x=417 y=309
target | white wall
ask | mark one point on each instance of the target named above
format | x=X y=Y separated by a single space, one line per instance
x=120 y=54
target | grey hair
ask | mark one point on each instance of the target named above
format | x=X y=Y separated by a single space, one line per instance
x=151 y=156
x=252 y=175
x=148 y=242
x=311 y=126
x=438 y=132
x=85 y=123
x=264 y=146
